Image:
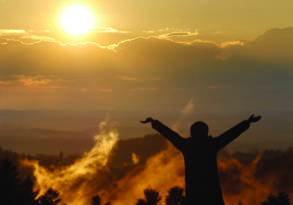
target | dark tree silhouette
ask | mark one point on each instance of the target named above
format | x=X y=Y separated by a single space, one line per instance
x=96 y=200
x=240 y=203
x=14 y=189
x=175 y=196
x=51 y=197
x=152 y=197
x=141 y=202
x=280 y=199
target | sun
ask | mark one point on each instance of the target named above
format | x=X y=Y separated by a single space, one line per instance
x=77 y=20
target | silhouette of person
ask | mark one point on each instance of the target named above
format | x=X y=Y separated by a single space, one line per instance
x=200 y=158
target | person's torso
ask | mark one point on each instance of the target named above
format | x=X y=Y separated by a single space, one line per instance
x=201 y=163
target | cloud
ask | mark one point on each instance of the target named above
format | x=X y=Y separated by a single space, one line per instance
x=242 y=71
x=128 y=78
x=33 y=82
x=189 y=107
x=183 y=34
x=76 y=180
x=144 y=89
x=105 y=90
x=18 y=82
x=4 y=32
x=4 y=83
x=25 y=36
x=187 y=37
x=273 y=45
x=231 y=44
x=109 y=30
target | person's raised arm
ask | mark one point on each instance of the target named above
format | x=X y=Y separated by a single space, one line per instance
x=231 y=134
x=171 y=135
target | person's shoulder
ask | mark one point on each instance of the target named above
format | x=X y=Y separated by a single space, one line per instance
x=211 y=138
x=188 y=139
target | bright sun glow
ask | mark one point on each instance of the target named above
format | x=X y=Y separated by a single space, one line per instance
x=77 y=20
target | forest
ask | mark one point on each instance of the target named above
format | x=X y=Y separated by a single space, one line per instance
x=130 y=158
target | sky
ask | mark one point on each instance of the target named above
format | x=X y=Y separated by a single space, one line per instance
x=228 y=56
x=236 y=17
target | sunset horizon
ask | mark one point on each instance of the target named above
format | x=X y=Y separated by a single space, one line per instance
x=146 y=102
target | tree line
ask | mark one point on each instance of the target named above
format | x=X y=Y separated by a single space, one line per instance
x=16 y=188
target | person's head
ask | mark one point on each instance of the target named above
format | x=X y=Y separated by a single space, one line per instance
x=199 y=129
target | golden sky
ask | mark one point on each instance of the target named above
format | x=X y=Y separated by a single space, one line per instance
x=236 y=18
x=219 y=53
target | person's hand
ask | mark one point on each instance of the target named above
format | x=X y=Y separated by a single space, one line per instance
x=253 y=119
x=147 y=120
